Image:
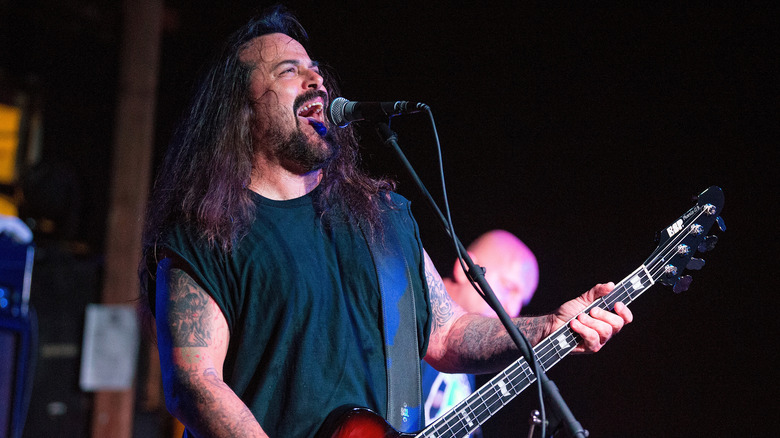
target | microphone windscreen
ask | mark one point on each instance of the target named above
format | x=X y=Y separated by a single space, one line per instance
x=335 y=112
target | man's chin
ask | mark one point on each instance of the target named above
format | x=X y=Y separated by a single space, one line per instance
x=315 y=158
x=305 y=150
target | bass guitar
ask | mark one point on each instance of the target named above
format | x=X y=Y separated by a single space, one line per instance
x=677 y=244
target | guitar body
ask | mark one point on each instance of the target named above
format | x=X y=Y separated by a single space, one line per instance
x=357 y=422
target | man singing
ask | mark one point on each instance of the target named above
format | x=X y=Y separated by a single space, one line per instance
x=259 y=259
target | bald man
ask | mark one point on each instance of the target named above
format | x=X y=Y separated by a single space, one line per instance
x=510 y=269
x=513 y=274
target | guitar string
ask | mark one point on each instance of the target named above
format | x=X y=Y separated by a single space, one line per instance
x=505 y=377
x=656 y=264
x=477 y=407
x=461 y=424
x=619 y=294
x=547 y=348
x=482 y=407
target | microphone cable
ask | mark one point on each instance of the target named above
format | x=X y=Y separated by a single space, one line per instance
x=535 y=364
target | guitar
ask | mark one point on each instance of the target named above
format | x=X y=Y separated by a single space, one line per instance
x=677 y=244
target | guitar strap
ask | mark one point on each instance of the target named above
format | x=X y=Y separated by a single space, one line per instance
x=399 y=323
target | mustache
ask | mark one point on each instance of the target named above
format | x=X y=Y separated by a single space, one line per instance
x=307 y=96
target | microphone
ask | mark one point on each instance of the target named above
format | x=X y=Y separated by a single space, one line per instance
x=341 y=112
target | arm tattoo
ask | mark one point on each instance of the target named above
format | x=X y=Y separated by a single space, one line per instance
x=209 y=393
x=533 y=327
x=474 y=343
x=486 y=346
x=441 y=304
x=189 y=312
x=233 y=422
x=195 y=345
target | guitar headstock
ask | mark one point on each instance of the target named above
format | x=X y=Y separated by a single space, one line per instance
x=678 y=242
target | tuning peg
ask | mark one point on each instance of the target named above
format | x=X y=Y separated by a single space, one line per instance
x=695 y=264
x=682 y=284
x=721 y=224
x=708 y=244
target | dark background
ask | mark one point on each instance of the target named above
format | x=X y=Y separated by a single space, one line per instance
x=582 y=128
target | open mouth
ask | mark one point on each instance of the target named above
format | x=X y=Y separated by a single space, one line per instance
x=312 y=110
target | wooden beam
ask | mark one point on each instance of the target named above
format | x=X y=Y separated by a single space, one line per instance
x=132 y=154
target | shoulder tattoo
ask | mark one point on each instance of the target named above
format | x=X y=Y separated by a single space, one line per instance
x=441 y=303
x=190 y=311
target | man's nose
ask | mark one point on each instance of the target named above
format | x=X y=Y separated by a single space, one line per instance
x=313 y=80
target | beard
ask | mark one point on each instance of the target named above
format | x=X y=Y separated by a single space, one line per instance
x=299 y=152
x=295 y=149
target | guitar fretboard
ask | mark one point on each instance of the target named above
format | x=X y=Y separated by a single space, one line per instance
x=506 y=385
x=679 y=241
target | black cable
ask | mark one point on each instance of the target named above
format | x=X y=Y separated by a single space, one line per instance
x=448 y=215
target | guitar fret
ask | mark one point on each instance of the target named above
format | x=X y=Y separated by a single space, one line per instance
x=515 y=381
x=468 y=415
x=638 y=281
x=465 y=420
x=455 y=424
x=490 y=399
x=482 y=404
x=450 y=426
x=495 y=398
x=512 y=382
x=491 y=394
x=469 y=418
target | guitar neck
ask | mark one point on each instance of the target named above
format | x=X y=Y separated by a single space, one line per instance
x=678 y=243
x=506 y=385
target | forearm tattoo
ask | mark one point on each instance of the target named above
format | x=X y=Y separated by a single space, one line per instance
x=209 y=393
x=485 y=345
x=533 y=327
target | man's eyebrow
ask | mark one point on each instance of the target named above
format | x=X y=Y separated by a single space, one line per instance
x=314 y=64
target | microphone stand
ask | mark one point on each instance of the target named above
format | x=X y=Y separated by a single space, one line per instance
x=477 y=274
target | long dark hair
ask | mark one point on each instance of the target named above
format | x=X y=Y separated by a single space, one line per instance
x=203 y=179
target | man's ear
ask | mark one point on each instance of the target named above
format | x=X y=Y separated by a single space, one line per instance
x=457 y=273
